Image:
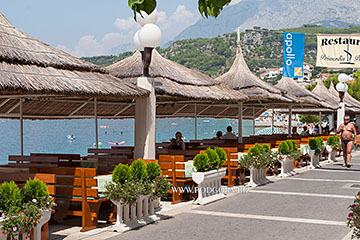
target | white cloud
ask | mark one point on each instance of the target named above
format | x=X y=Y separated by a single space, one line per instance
x=233 y=2
x=88 y=46
x=170 y=27
x=125 y=24
x=176 y=23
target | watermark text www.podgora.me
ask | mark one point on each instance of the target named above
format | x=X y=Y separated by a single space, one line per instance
x=211 y=190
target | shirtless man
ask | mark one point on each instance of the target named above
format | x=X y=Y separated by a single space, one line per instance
x=347 y=130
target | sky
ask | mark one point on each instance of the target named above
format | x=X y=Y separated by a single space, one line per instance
x=92 y=27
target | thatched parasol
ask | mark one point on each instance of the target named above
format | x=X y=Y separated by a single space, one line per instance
x=52 y=83
x=29 y=66
x=180 y=91
x=350 y=102
x=308 y=99
x=173 y=80
x=240 y=78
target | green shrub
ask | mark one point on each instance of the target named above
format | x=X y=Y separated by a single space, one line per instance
x=313 y=144
x=201 y=162
x=214 y=160
x=295 y=148
x=246 y=160
x=255 y=150
x=222 y=154
x=266 y=148
x=34 y=189
x=138 y=171
x=162 y=187
x=153 y=171
x=330 y=141
x=320 y=141
x=10 y=196
x=284 y=148
x=121 y=174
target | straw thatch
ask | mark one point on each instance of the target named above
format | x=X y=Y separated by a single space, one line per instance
x=351 y=104
x=29 y=66
x=309 y=99
x=240 y=78
x=174 y=81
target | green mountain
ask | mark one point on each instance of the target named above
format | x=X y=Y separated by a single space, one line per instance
x=214 y=56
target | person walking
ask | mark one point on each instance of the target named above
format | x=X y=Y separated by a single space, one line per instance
x=348 y=135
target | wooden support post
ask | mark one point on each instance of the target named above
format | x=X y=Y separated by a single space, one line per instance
x=87 y=222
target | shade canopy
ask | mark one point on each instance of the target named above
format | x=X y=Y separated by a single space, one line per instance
x=50 y=82
x=184 y=92
x=307 y=98
x=351 y=103
x=240 y=78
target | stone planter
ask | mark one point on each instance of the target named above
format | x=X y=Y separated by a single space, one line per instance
x=209 y=185
x=257 y=177
x=331 y=157
x=287 y=165
x=315 y=159
x=45 y=217
x=46 y=214
x=133 y=216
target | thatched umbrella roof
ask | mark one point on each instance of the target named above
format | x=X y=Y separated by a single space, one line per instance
x=351 y=104
x=178 y=89
x=53 y=84
x=29 y=66
x=308 y=99
x=240 y=78
x=173 y=80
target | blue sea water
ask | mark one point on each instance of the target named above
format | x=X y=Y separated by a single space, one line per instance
x=51 y=136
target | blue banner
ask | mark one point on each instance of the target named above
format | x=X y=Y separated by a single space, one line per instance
x=293 y=54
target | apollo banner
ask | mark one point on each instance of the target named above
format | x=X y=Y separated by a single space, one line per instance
x=338 y=50
x=293 y=54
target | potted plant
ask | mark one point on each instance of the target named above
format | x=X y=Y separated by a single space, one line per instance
x=24 y=209
x=332 y=145
x=314 y=152
x=285 y=148
x=208 y=176
x=256 y=160
x=135 y=190
x=353 y=219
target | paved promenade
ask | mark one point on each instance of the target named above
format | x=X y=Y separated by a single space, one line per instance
x=311 y=205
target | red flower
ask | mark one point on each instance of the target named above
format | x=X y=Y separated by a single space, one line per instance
x=351 y=215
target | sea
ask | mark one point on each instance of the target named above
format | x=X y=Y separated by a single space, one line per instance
x=52 y=136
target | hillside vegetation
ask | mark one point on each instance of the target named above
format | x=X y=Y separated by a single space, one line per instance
x=214 y=56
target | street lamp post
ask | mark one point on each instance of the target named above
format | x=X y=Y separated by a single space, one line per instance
x=341 y=87
x=145 y=40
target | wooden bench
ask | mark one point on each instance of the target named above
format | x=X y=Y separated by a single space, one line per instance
x=187 y=154
x=33 y=161
x=64 y=160
x=169 y=165
x=21 y=178
x=78 y=185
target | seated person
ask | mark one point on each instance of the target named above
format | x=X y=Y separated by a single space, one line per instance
x=180 y=140
x=229 y=134
x=173 y=145
x=294 y=131
x=218 y=135
x=305 y=131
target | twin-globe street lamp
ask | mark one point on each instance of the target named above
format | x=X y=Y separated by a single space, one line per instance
x=147 y=38
x=341 y=87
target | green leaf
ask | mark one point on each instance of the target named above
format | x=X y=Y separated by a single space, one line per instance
x=146 y=5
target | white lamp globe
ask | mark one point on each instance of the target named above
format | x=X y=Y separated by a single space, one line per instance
x=145 y=18
x=343 y=77
x=341 y=87
x=150 y=35
x=137 y=42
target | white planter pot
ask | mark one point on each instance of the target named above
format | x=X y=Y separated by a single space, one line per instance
x=315 y=159
x=209 y=185
x=257 y=177
x=46 y=214
x=286 y=166
x=133 y=216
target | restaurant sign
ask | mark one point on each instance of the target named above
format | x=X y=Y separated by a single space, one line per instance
x=338 y=50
